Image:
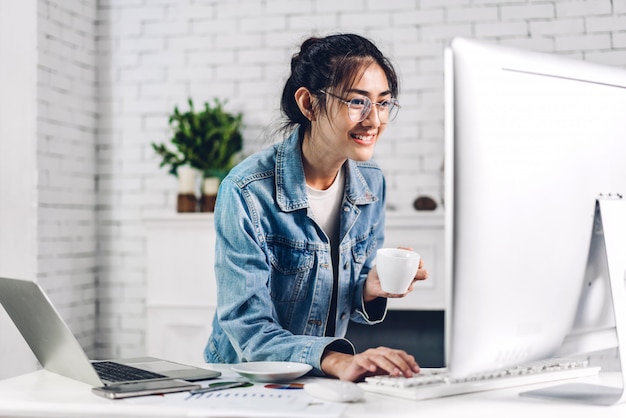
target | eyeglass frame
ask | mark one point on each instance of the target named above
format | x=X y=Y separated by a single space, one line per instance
x=392 y=100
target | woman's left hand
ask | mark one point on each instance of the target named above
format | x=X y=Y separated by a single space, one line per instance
x=373 y=290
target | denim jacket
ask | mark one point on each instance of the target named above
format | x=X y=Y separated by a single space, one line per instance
x=272 y=260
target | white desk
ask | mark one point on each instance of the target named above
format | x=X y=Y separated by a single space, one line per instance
x=45 y=394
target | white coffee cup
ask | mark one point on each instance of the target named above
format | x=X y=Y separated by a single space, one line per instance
x=396 y=268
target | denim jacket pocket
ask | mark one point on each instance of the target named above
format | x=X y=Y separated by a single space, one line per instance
x=362 y=248
x=291 y=266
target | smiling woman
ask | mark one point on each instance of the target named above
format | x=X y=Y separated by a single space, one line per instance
x=310 y=213
x=339 y=133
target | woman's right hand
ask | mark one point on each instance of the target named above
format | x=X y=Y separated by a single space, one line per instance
x=371 y=362
x=373 y=290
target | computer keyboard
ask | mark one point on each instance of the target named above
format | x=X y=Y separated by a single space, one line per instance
x=117 y=372
x=437 y=383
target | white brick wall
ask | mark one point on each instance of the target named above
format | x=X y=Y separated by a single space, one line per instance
x=47 y=162
x=154 y=54
x=66 y=146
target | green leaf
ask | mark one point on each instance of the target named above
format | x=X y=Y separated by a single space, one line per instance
x=207 y=140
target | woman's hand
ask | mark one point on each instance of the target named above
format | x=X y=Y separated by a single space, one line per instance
x=375 y=361
x=373 y=290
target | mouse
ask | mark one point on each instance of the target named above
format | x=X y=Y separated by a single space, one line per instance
x=334 y=390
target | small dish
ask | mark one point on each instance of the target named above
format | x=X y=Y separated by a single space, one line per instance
x=271 y=371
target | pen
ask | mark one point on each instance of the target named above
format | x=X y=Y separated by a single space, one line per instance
x=217 y=386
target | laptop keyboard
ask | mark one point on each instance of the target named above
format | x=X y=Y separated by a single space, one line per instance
x=117 y=372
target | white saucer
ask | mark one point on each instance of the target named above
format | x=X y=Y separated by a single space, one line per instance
x=271 y=371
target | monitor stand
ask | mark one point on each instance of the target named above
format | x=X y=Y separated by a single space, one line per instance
x=610 y=229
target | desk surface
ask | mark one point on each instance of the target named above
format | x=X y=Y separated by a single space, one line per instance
x=45 y=394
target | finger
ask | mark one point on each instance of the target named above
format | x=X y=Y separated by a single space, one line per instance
x=404 y=362
x=397 y=295
x=421 y=274
x=364 y=362
x=394 y=362
x=384 y=364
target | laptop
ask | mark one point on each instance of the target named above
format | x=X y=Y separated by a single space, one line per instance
x=58 y=351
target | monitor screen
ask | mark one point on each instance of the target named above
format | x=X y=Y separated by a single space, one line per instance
x=532 y=139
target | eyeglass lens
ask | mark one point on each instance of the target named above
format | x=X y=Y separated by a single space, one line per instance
x=360 y=107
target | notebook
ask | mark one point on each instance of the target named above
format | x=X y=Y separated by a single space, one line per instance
x=56 y=348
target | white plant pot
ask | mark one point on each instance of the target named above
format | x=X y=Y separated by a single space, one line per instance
x=210 y=186
x=187 y=199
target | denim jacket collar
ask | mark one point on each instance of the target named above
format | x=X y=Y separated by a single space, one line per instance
x=291 y=184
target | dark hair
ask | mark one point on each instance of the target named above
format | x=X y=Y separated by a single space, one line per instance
x=333 y=61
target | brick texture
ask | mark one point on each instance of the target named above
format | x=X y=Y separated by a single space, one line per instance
x=67 y=111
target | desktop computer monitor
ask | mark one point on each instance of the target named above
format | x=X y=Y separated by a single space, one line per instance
x=532 y=140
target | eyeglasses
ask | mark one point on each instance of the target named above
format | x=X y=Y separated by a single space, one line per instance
x=360 y=107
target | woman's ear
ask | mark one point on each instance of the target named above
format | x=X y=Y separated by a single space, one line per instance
x=305 y=102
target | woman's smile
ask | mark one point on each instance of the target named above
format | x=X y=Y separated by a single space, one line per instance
x=364 y=138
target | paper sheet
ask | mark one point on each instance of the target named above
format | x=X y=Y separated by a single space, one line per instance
x=254 y=401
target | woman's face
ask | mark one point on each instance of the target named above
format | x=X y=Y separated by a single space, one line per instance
x=343 y=138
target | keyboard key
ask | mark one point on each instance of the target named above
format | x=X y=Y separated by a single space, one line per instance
x=116 y=372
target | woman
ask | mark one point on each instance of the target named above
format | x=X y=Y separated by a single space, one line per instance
x=298 y=225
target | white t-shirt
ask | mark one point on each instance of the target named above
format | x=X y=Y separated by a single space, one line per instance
x=325 y=206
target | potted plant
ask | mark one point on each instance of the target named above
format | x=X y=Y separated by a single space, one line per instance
x=205 y=141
